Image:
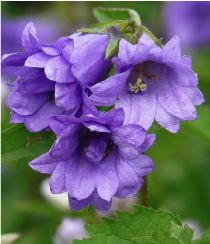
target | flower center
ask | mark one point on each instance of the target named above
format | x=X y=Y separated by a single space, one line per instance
x=51 y=97
x=139 y=85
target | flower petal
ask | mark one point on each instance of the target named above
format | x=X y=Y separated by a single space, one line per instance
x=37 y=60
x=68 y=96
x=107 y=181
x=30 y=40
x=194 y=94
x=34 y=84
x=129 y=183
x=142 y=165
x=112 y=86
x=57 y=69
x=41 y=119
x=171 y=51
x=80 y=181
x=88 y=67
x=166 y=120
x=147 y=143
x=57 y=179
x=174 y=101
x=25 y=104
x=43 y=164
x=139 y=109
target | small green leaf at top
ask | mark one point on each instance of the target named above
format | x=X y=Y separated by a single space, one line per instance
x=106 y=14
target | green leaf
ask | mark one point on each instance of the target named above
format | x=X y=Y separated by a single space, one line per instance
x=101 y=239
x=106 y=14
x=19 y=144
x=144 y=226
x=113 y=44
x=102 y=28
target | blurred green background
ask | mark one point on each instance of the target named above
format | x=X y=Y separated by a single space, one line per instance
x=181 y=180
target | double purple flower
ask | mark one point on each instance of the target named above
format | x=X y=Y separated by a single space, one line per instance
x=95 y=158
x=97 y=155
x=50 y=80
x=151 y=83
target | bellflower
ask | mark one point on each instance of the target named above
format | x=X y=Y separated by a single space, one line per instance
x=190 y=21
x=50 y=79
x=95 y=158
x=151 y=83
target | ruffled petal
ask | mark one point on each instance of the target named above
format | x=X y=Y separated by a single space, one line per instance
x=30 y=40
x=87 y=58
x=68 y=96
x=171 y=52
x=76 y=205
x=185 y=75
x=174 y=101
x=139 y=109
x=194 y=94
x=129 y=183
x=37 y=60
x=41 y=119
x=57 y=179
x=79 y=177
x=59 y=123
x=16 y=118
x=107 y=181
x=34 y=84
x=99 y=203
x=147 y=143
x=65 y=145
x=112 y=86
x=142 y=165
x=25 y=104
x=125 y=57
x=166 y=120
x=43 y=164
x=146 y=50
x=129 y=139
x=57 y=69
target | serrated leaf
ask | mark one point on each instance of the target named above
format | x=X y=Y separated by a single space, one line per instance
x=144 y=226
x=19 y=144
x=101 y=239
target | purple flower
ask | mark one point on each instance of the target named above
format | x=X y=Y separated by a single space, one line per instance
x=151 y=83
x=52 y=77
x=95 y=158
x=189 y=20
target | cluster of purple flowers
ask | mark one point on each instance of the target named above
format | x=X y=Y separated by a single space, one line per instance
x=62 y=86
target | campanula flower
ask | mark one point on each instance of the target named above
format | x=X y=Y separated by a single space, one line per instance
x=50 y=78
x=151 y=83
x=95 y=158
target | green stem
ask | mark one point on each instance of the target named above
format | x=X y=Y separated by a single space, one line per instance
x=144 y=193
